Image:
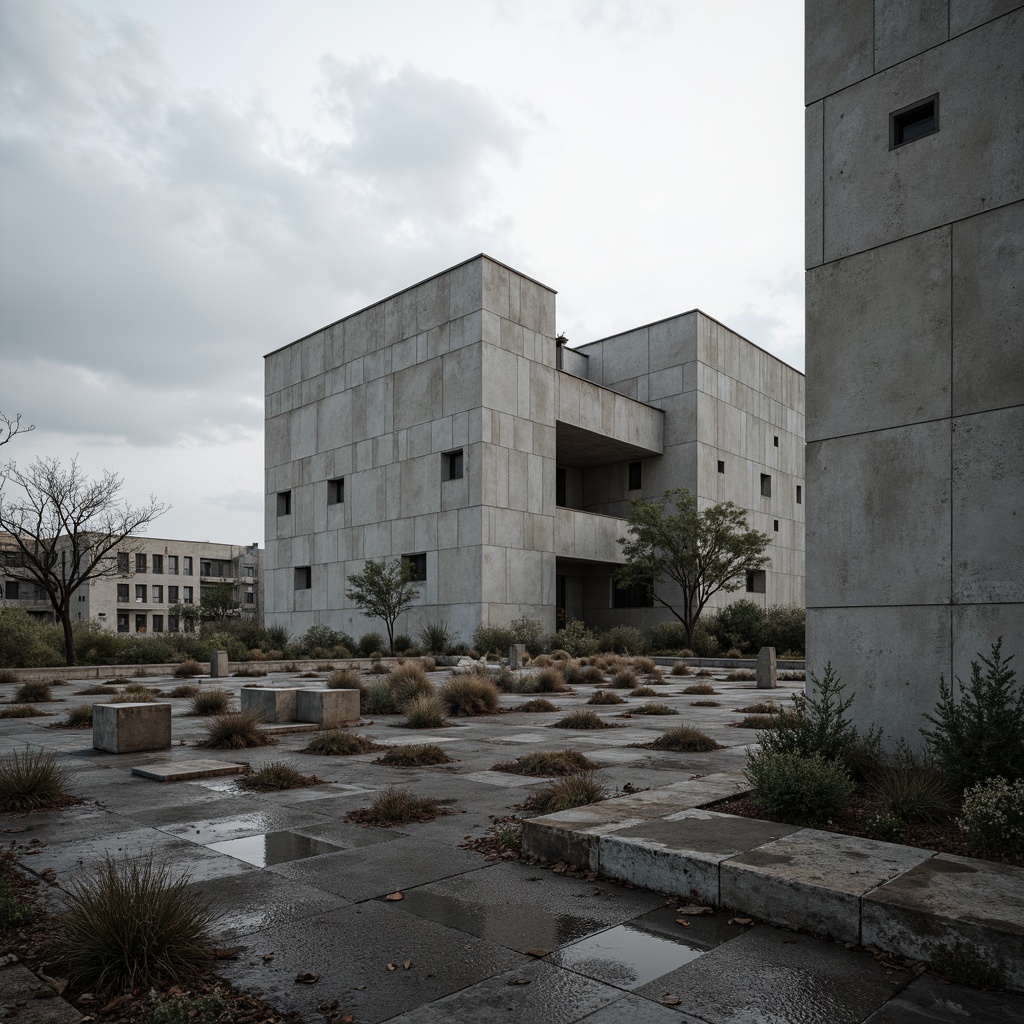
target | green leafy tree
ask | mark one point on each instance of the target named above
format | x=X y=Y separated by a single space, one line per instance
x=702 y=551
x=383 y=590
x=217 y=602
x=187 y=614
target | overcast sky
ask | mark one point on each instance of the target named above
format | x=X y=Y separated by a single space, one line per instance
x=189 y=184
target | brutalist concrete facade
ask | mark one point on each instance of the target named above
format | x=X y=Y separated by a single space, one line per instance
x=446 y=424
x=915 y=345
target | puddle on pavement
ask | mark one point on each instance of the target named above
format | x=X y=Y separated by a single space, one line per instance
x=272 y=848
x=625 y=956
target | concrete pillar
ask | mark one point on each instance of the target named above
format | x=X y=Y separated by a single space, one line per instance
x=219 y=665
x=516 y=656
x=766 y=676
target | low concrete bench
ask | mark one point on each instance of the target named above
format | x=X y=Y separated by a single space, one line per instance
x=129 y=728
x=275 y=704
x=328 y=708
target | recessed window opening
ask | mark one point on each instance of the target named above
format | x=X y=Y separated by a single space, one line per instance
x=453 y=465
x=140 y=563
x=721 y=466
x=914 y=121
x=284 y=503
x=775 y=441
x=303 y=577
x=560 y=485
x=336 y=491
x=636 y=596
x=766 y=485
x=776 y=525
x=417 y=566
x=756 y=581
x=799 y=495
x=635 y=476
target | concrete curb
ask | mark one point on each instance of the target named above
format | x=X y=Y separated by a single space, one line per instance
x=902 y=899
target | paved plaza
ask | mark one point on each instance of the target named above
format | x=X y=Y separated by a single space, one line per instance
x=473 y=940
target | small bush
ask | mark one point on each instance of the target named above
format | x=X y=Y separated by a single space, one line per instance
x=700 y=689
x=644 y=665
x=408 y=681
x=32 y=781
x=133 y=925
x=396 y=806
x=573 y=791
x=343 y=679
x=643 y=691
x=32 y=693
x=543 y=763
x=538 y=706
x=505 y=680
x=435 y=638
x=339 y=742
x=964 y=964
x=236 y=731
x=210 y=702
x=493 y=639
x=581 y=720
x=377 y=699
x=653 y=709
x=624 y=679
x=667 y=636
x=588 y=675
x=993 y=816
x=684 y=739
x=187 y=669
x=757 y=722
x=185 y=690
x=79 y=717
x=606 y=697
x=680 y=668
x=575 y=641
x=705 y=704
x=705 y=643
x=470 y=695
x=912 y=788
x=734 y=652
x=427 y=711
x=547 y=680
x=623 y=640
x=738 y=626
x=21 y=711
x=190 y=1008
x=979 y=734
x=371 y=643
x=276 y=775
x=799 y=790
x=414 y=755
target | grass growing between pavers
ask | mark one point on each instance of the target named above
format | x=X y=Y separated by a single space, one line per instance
x=414 y=755
x=236 y=731
x=544 y=763
x=274 y=776
x=340 y=743
x=684 y=739
x=575 y=790
x=33 y=781
x=395 y=806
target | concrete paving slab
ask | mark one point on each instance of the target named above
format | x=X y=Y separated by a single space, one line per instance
x=549 y=994
x=181 y=771
x=244 y=822
x=637 y=1010
x=350 y=949
x=926 y=1000
x=506 y=780
x=771 y=975
x=682 y=853
x=615 y=755
x=947 y=899
x=20 y=992
x=814 y=880
x=288 y=728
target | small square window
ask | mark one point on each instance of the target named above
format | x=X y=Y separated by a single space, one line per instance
x=756 y=581
x=721 y=466
x=336 y=491
x=284 y=503
x=303 y=577
x=635 y=476
x=453 y=465
x=766 y=485
x=799 y=495
x=775 y=441
x=776 y=525
x=417 y=566
x=914 y=121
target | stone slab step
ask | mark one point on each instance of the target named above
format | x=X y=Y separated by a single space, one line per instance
x=281 y=728
x=182 y=771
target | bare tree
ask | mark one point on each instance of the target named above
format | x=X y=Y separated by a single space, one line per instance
x=9 y=427
x=66 y=530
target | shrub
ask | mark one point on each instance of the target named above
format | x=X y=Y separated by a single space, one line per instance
x=414 y=755
x=734 y=652
x=575 y=640
x=319 y=637
x=493 y=639
x=435 y=638
x=187 y=669
x=784 y=629
x=134 y=924
x=993 y=816
x=503 y=679
x=705 y=704
x=581 y=720
x=576 y=790
x=589 y=675
x=912 y=788
x=644 y=665
x=539 y=706
x=276 y=775
x=32 y=693
x=530 y=633
x=396 y=806
x=705 y=643
x=666 y=636
x=80 y=716
x=339 y=742
x=21 y=711
x=427 y=711
x=700 y=689
x=741 y=675
x=377 y=699
x=343 y=679
x=191 y=1008
x=797 y=789
x=980 y=735
x=643 y=691
x=624 y=679
x=236 y=731
x=547 y=680
x=544 y=763
x=606 y=697
x=408 y=681
x=738 y=625
x=684 y=739
x=653 y=709
x=371 y=643
x=32 y=781
x=185 y=690
x=210 y=702
x=468 y=695
x=680 y=668
x=623 y=640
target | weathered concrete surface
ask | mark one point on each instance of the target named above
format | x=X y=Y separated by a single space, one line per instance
x=330 y=709
x=948 y=899
x=27 y=999
x=767 y=676
x=128 y=728
x=276 y=704
x=814 y=880
x=219 y=665
x=182 y=771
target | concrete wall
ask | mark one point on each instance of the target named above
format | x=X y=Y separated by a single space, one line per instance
x=915 y=348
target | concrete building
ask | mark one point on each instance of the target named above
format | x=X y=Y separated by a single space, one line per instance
x=915 y=345
x=446 y=425
x=153 y=576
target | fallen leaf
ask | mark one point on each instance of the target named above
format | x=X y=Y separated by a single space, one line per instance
x=407 y=964
x=395 y=896
x=267 y=957
x=692 y=909
x=391 y=967
x=683 y=922
x=741 y=920
x=306 y=978
x=518 y=981
x=671 y=1001
x=535 y=952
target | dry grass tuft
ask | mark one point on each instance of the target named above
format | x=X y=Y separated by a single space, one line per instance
x=415 y=755
x=210 y=702
x=236 y=731
x=36 y=692
x=581 y=720
x=470 y=695
x=427 y=711
x=680 y=668
x=339 y=742
x=539 y=706
x=343 y=679
x=276 y=775
x=188 y=668
x=572 y=791
x=32 y=781
x=606 y=697
x=684 y=739
x=396 y=806
x=701 y=689
x=543 y=763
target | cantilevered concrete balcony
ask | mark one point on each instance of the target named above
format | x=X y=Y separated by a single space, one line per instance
x=595 y=426
x=588 y=537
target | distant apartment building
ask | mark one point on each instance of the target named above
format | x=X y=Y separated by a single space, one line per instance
x=446 y=425
x=153 y=576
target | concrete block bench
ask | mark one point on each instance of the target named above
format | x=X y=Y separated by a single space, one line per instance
x=328 y=708
x=276 y=704
x=129 y=728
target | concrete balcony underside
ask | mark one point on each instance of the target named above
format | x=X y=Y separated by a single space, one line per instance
x=587 y=537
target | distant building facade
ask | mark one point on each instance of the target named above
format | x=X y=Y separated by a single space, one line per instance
x=153 y=576
x=915 y=345
x=447 y=426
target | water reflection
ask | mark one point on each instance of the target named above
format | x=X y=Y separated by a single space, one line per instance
x=271 y=848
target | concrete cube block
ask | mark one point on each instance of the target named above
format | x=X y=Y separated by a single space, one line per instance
x=766 y=674
x=328 y=708
x=276 y=704
x=128 y=728
x=219 y=665
x=516 y=656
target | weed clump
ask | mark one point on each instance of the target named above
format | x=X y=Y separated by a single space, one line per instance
x=188 y=668
x=741 y=675
x=700 y=689
x=343 y=679
x=276 y=775
x=993 y=816
x=426 y=711
x=133 y=925
x=624 y=679
x=470 y=695
x=757 y=722
x=338 y=742
x=32 y=693
x=32 y=781
x=653 y=709
x=543 y=763
x=396 y=806
x=414 y=755
x=643 y=691
x=79 y=717
x=538 y=706
x=21 y=711
x=606 y=697
x=705 y=703
x=133 y=693
x=576 y=790
x=911 y=788
x=236 y=731
x=680 y=668
x=184 y=690
x=210 y=702
x=581 y=720
x=95 y=690
x=801 y=790
x=548 y=680
x=684 y=739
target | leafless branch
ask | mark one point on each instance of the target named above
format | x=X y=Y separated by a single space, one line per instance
x=9 y=427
